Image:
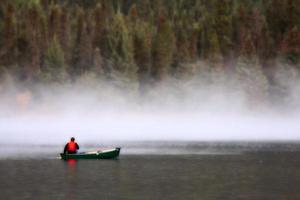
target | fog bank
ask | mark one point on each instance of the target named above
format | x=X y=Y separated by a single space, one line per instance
x=94 y=112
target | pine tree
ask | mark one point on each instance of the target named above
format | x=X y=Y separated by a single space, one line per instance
x=290 y=46
x=206 y=23
x=54 y=69
x=201 y=18
x=182 y=54
x=158 y=9
x=33 y=34
x=142 y=51
x=194 y=40
x=75 y=67
x=9 y=37
x=120 y=46
x=186 y=45
x=64 y=33
x=82 y=48
x=163 y=47
x=250 y=74
x=144 y=10
x=44 y=37
x=223 y=27
x=262 y=40
x=215 y=57
x=282 y=15
x=54 y=21
x=100 y=25
x=133 y=14
x=293 y=13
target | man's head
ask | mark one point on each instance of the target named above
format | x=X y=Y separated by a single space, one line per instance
x=72 y=139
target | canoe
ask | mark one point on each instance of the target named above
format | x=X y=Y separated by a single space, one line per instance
x=100 y=154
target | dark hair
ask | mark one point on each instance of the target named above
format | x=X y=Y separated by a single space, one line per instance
x=72 y=138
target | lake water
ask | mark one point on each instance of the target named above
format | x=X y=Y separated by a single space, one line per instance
x=156 y=170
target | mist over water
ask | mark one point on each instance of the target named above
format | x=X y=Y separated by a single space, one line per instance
x=96 y=112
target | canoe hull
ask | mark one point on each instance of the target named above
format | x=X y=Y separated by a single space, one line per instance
x=104 y=154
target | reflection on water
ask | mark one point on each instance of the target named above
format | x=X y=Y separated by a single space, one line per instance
x=71 y=163
x=264 y=174
x=71 y=178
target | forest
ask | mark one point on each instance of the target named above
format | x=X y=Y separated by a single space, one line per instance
x=147 y=42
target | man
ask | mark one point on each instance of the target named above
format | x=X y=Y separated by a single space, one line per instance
x=71 y=147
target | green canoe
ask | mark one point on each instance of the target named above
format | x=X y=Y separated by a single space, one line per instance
x=101 y=154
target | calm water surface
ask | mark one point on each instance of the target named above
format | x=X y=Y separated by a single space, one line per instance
x=263 y=173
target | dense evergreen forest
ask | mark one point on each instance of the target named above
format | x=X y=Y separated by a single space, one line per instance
x=146 y=42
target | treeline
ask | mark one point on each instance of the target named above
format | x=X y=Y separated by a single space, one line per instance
x=148 y=41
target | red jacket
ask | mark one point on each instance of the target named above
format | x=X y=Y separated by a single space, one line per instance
x=71 y=147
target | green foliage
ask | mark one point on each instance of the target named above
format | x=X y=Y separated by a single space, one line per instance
x=223 y=24
x=82 y=48
x=119 y=40
x=120 y=46
x=290 y=46
x=142 y=50
x=282 y=15
x=137 y=41
x=182 y=55
x=54 y=68
x=214 y=51
x=163 y=47
x=9 y=37
x=100 y=24
x=25 y=3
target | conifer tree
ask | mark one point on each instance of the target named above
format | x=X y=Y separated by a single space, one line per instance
x=133 y=14
x=100 y=25
x=262 y=40
x=33 y=36
x=281 y=16
x=64 y=32
x=158 y=9
x=293 y=13
x=120 y=46
x=82 y=50
x=290 y=46
x=206 y=25
x=142 y=51
x=54 y=21
x=163 y=47
x=223 y=26
x=54 y=69
x=9 y=37
x=186 y=45
x=194 y=40
x=250 y=74
x=44 y=37
x=144 y=10
x=75 y=68
x=182 y=54
x=214 y=50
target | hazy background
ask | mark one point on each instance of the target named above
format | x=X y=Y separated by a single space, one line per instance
x=97 y=112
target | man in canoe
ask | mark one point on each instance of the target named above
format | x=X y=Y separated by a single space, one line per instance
x=71 y=147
